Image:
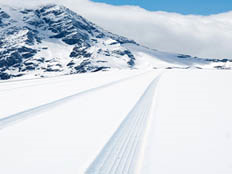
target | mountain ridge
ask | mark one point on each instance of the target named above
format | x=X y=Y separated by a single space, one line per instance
x=52 y=40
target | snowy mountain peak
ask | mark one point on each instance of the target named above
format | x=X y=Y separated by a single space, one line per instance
x=53 y=40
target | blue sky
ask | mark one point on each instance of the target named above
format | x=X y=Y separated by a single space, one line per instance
x=202 y=7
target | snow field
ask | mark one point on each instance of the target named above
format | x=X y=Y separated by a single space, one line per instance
x=192 y=124
x=119 y=124
x=68 y=137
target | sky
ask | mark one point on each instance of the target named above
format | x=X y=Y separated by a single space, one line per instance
x=206 y=36
x=200 y=7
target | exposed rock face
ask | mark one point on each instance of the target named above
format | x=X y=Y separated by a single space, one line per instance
x=52 y=38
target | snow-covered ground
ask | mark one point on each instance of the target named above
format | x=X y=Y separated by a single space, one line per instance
x=118 y=122
x=192 y=125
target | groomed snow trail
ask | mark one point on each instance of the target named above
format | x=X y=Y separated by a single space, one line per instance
x=123 y=152
x=12 y=119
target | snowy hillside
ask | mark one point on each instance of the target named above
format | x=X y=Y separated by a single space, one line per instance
x=51 y=40
x=54 y=40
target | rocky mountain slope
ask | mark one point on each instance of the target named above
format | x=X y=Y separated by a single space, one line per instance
x=52 y=40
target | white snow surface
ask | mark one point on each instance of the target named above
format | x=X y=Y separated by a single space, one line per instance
x=118 y=122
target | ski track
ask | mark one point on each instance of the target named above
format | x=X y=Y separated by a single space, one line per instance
x=7 y=86
x=123 y=151
x=9 y=120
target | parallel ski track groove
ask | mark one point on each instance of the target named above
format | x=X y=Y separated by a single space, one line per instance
x=117 y=137
x=131 y=153
x=8 y=120
x=124 y=146
x=120 y=154
x=129 y=147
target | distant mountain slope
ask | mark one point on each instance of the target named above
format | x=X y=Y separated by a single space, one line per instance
x=52 y=40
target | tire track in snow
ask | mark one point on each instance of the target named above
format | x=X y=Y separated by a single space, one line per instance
x=12 y=119
x=122 y=152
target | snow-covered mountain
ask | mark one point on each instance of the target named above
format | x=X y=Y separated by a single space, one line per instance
x=53 y=40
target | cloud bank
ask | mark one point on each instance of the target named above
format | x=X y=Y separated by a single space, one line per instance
x=202 y=36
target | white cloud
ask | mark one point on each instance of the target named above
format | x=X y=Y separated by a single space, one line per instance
x=204 y=36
